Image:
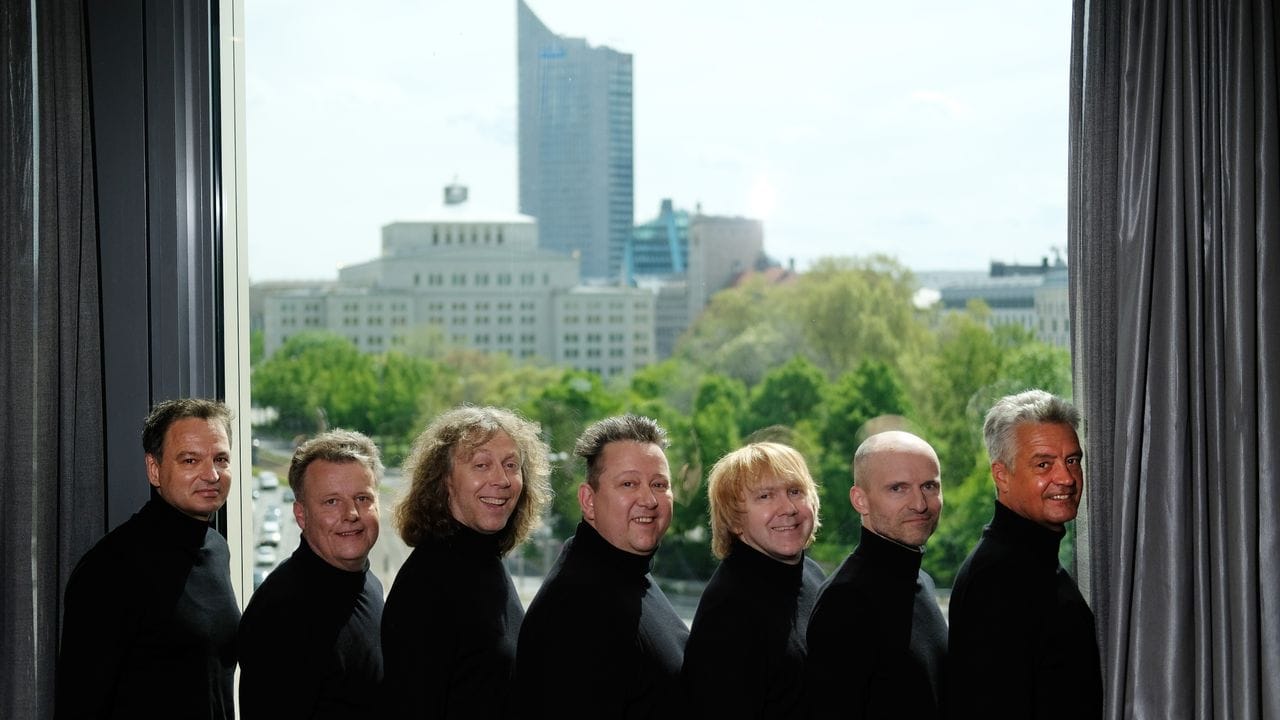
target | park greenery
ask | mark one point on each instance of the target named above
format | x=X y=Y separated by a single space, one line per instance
x=819 y=362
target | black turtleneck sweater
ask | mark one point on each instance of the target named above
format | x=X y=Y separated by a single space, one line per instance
x=449 y=630
x=745 y=657
x=600 y=639
x=1023 y=643
x=309 y=642
x=149 y=623
x=877 y=640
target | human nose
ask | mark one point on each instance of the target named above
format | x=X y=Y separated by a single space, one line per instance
x=648 y=498
x=918 y=502
x=209 y=471
x=1064 y=474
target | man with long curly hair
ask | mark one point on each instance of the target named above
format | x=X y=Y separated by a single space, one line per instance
x=478 y=484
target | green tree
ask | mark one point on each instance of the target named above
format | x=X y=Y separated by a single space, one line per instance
x=564 y=408
x=315 y=381
x=962 y=374
x=968 y=503
x=851 y=309
x=788 y=394
x=257 y=346
x=870 y=391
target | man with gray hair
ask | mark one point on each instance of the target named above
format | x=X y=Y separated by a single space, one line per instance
x=309 y=640
x=1022 y=638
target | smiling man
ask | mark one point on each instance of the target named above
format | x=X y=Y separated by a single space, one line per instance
x=599 y=615
x=877 y=640
x=1023 y=641
x=477 y=486
x=149 y=625
x=745 y=656
x=309 y=639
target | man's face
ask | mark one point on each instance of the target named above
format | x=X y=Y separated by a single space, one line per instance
x=899 y=494
x=632 y=503
x=485 y=487
x=777 y=519
x=193 y=473
x=338 y=512
x=1046 y=480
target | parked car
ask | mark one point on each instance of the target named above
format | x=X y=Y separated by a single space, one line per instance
x=268 y=480
x=270 y=533
x=265 y=556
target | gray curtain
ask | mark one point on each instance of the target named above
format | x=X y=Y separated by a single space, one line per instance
x=1175 y=279
x=50 y=363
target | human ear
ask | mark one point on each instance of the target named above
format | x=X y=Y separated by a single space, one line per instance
x=858 y=499
x=587 y=502
x=1000 y=474
x=153 y=470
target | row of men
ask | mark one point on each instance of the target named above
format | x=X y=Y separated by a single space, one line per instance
x=151 y=626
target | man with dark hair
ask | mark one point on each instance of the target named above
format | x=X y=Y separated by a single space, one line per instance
x=309 y=639
x=599 y=614
x=877 y=639
x=149 y=623
x=1022 y=638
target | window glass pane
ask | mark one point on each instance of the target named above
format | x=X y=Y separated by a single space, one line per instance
x=835 y=218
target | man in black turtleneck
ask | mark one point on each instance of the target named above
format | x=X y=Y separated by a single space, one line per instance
x=149 y=621
x=745 y=657
x=877 y=640
x=1023 y=641
x=309 y=641
x=600 y=639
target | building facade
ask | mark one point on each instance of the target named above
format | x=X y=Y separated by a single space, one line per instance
x=1030 y=296
x=477 y=282
x=576 y=165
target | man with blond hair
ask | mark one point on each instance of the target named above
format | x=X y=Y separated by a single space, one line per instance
x=745 y=656
x=309 y=640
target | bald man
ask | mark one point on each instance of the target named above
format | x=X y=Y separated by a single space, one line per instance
x=877 y=640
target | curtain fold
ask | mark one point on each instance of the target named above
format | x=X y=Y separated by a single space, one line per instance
x=1176 y=279
x=51 y=481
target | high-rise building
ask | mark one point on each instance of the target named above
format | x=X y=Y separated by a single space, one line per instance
x=575 y=136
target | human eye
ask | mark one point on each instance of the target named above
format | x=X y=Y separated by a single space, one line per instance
x=331 y=501
x=628 y=483
x=795 y=492
x=661 y=485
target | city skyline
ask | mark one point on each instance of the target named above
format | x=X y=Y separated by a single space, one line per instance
x=933 y=134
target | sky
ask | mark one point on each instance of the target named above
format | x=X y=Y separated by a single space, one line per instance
x=931 y=131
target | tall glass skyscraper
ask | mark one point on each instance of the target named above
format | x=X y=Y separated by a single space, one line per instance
x=575 y=131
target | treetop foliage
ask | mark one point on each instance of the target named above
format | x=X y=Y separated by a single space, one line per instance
x=820 y=362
